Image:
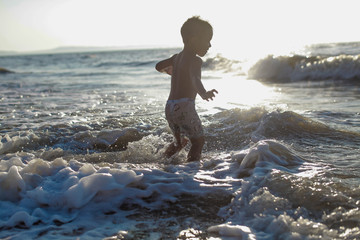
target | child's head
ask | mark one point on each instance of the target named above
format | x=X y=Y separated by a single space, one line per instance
x=197 y=34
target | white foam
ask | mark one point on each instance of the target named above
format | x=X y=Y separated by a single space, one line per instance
x=40 y=193
x=238 y=231
x=21 y=217
x=16 y=143
x=266 y=152
x=61 y=197
x=11 y=185
x=39 y=189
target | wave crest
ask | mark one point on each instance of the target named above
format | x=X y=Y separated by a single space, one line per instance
x=299 y=68
x=220 y=63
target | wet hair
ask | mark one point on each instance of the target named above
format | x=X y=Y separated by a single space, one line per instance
x=195 y=26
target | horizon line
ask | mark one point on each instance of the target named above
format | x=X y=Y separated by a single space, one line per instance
x=79 y=48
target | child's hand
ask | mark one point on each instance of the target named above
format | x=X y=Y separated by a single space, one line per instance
x=210 y=95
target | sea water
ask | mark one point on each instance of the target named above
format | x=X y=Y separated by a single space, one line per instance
x=82 y=137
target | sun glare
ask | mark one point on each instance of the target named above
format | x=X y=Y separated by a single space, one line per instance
x=236 y=92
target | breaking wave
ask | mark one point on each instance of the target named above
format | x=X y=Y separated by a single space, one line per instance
x=220 y=63
x=298 y=68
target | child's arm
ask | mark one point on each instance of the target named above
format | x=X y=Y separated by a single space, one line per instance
x=166 y=66
x=195 y=73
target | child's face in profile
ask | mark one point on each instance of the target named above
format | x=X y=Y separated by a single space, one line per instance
x=202 y=43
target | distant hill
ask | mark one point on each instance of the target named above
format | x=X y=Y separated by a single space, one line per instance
x=6 y=53
x=67 y=49
x=74 y=49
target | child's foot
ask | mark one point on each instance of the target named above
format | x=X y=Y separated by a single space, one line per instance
x=193 y=158
x=174 y=148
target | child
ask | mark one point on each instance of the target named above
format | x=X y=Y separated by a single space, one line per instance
x=185 y=71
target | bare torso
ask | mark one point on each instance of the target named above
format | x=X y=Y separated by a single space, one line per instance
x=186 y=76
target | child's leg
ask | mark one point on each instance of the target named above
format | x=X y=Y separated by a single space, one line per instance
x=196 y=148
x=176 y=145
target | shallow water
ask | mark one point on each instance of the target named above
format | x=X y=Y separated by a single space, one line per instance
x=81 y=138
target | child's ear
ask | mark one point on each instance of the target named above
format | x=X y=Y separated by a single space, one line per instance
x=193 y=40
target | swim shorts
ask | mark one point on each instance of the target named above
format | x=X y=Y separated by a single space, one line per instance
x=182 y=117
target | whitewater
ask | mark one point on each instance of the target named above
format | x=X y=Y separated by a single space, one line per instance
x=82 y=136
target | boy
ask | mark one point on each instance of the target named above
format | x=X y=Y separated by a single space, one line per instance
x=185 y=71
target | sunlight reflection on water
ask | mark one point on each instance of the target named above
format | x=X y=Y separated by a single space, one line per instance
x=237 y=91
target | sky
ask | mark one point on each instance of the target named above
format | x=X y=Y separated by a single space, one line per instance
x=30 y=25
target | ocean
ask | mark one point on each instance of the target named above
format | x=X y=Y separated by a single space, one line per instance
x=82 y=136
